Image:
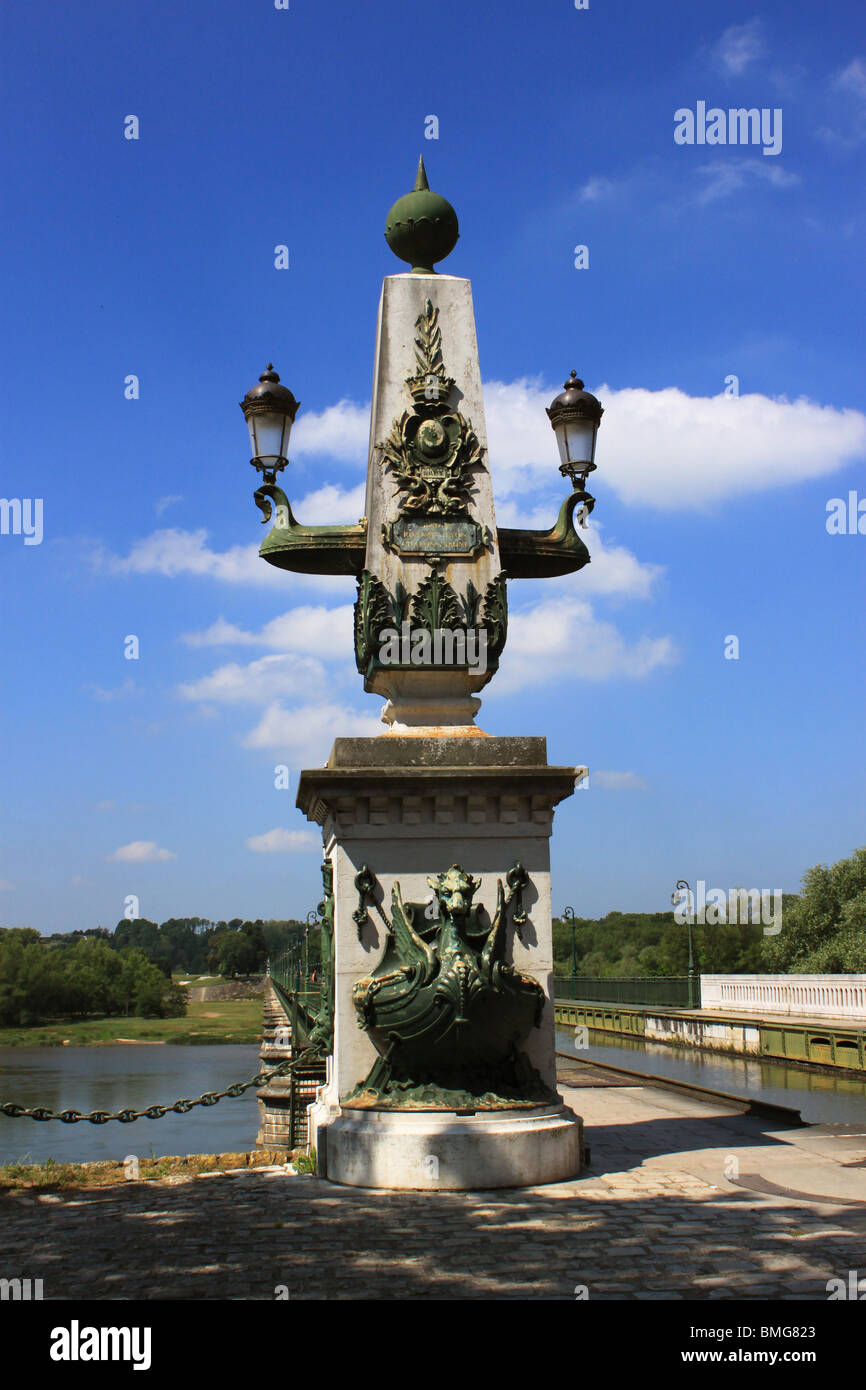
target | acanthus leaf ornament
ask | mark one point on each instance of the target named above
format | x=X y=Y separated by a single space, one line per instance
x=372 y=614
x=495 y=615
x=435 y=604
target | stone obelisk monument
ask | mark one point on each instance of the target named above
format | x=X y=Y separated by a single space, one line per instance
x=439 y=1024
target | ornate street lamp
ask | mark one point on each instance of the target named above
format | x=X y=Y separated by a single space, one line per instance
x=575 y=415
x=568 y=916
x=269 y=410
x=681 y=889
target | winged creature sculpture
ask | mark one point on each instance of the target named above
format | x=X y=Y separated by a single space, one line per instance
x=444 y=1008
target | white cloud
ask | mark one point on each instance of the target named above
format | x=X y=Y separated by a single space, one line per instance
x=846 y=105
x=561 y=637
x=324 y=632
x=614 y=569
x=725 y=177
x=221 y=634
x=163 y=503
x=266 y=679
x=306 y=734
x=282 y=841
x=106 y=696
x=522 y=446
x=140 y=852
x=669 y=450
x=175 y=552
x=331 y=505
x=341 y=431
x=739 y=46
x=617 y=781
x=852 y=79
x=595 y=189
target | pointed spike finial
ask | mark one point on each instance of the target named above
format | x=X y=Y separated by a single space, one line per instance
x=421 y=177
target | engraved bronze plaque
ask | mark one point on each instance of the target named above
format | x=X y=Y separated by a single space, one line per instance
x=435 y=536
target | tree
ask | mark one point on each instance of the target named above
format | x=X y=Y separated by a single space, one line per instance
x=824 y=928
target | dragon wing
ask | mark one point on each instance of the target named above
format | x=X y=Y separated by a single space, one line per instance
x=410 y=949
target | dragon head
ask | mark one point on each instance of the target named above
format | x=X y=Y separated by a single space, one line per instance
x=454 y=891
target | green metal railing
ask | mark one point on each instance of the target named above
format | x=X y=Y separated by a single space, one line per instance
x=673 y=991
x=293 y=973
x=292 y=977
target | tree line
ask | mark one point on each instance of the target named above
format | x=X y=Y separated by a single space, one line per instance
x=41 y=980
x=196 y=946
x=823 y=932
x=129 y=970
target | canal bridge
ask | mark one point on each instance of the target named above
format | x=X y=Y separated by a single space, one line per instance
x=806 y=1019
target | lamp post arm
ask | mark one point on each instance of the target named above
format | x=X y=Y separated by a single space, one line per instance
x=308 y=549
x=546 y=554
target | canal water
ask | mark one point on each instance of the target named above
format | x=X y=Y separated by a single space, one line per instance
x=821 y=1097
x=116 y=1077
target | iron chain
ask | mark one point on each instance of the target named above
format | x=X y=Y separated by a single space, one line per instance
x=152 y=1112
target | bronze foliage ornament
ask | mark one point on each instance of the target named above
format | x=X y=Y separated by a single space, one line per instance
x=431 y=451
x=435 y=606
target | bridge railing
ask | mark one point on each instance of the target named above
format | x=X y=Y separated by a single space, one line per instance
x=300 y=992
x=671 y=991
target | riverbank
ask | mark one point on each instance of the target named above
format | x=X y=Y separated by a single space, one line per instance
x=206 y=1021
x=60 y=1177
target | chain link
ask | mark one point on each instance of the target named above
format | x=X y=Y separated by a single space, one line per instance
x=155 y=1112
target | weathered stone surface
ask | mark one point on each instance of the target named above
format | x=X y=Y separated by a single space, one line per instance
x=473 y=751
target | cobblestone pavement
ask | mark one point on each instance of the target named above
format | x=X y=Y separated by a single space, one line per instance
x=659 y=1214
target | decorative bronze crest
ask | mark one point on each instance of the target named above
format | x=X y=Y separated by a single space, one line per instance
x=431 y=450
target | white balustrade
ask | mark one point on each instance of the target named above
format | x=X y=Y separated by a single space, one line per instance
x=800 y=996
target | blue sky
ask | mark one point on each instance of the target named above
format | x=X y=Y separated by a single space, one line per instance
x=155 y=257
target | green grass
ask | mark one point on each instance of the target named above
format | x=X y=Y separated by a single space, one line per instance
x=211 y=1021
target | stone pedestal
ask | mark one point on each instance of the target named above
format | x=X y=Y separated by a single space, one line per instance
x=407 y=808
x=418 y=1150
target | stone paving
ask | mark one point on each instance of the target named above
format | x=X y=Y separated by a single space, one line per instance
x=665 y=1211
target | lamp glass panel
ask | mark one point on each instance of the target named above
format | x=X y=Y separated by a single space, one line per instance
x=579 y=441
x=270 y=434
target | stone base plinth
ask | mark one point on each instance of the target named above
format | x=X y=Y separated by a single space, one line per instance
x=442 y=1151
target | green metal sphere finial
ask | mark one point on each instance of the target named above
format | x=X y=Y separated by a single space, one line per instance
x=422 y=226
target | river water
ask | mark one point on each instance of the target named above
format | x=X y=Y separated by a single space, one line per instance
x=114 y=1077
x=821 y=1097
x=111 y=1078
